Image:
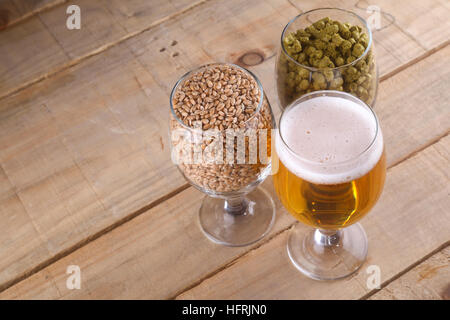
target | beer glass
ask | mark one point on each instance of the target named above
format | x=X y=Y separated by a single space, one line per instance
x=331 y=173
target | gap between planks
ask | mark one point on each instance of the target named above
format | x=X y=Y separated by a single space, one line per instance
x=406 y=65
x=35 y=12
x=229 y=264
x=406 y=270
x=107 y=46
x=99 y=50
x=91 y=238
x=423 y=147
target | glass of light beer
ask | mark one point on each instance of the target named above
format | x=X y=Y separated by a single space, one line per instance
x=331 y=173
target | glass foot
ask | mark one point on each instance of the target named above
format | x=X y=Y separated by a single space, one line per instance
x=328 y=255
x=237 y=221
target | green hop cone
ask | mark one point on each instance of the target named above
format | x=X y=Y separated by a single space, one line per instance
x=325 y=45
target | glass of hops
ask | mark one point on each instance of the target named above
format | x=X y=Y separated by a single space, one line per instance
x=220 y=127
x=326 y=49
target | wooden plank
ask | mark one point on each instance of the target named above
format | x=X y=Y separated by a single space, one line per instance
x=105 y=129
x=40 y=46
x=152 y=257
x=27 y=51
x=13 y=11
x=430 y=280
x=397 y=231
x=80 y=159
x=13 y=214
x=428 y=28
x=136 y=261
x=107 y=22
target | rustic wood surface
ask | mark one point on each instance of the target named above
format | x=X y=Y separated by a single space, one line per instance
x=85 y=176
x=15 y=11
x=427 y=281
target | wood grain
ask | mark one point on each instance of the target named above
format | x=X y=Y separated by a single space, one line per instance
x=106 y=22
x=40 y=46
x=430 y=280
x=87 y=147
x=138 y=260
x=418 y=19
x=14 y=11
x=397 y=230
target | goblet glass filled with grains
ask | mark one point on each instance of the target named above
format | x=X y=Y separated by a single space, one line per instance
x=220 y=128
x=326 y=49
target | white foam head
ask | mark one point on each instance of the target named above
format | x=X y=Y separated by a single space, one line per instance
x=329 y=139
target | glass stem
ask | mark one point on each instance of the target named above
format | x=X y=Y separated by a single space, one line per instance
x=327 y=238
x=236 y=205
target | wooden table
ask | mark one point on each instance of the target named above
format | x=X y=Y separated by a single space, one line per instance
x=85 y=175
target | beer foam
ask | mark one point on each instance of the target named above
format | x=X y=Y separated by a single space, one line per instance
x=328 y=140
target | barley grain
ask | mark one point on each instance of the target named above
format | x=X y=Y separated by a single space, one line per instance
x=221 y=97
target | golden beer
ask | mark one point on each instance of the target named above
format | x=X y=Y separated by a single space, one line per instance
x=332 y=162
x=330 y=206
